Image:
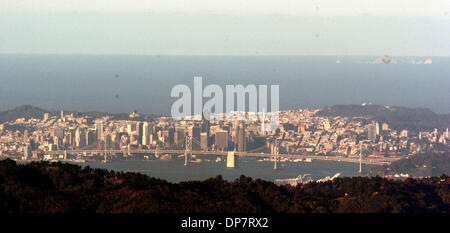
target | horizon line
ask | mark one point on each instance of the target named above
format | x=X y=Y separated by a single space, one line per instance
x=219 y=55
x=167 y=114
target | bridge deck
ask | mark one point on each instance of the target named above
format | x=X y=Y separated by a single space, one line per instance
x=241 y=154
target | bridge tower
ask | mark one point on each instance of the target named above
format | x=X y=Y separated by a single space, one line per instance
x=276 y=151
x=156 y=151
x=105 y=153
x=231 y=159
x=360 y=160
x=187 y=150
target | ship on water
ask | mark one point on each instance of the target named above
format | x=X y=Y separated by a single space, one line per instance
x=304 y=179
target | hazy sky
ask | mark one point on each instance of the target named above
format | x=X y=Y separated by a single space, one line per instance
x=293 y=7
x=213 y=27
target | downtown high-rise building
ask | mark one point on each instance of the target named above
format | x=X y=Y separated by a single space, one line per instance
x=205 y=135
x=139 y=131
x=221 y=140
x=240 y=138
x=145 y=134
x=131 y=127
x=180 y=136
x=57 y=132
x=194 y=132
x=90 y=137
x=69 y=138
x=372 y=131
x=99 y=131
x=80 y=138
x=204 y=141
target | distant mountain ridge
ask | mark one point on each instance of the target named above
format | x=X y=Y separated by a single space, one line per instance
x=374 y=110
x=29 y=111
x=26 y=111
x=396 y=117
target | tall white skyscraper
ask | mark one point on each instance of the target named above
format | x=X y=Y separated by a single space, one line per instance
x=145 y=134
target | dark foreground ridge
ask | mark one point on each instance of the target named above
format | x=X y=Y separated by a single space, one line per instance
x=61 y=188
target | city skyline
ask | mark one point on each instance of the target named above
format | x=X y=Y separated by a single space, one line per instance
x=300 y=131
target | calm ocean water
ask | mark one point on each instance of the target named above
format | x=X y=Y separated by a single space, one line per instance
x=175 y=171
x=124 y=83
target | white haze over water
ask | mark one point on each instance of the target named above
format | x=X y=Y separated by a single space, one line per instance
x=66 y=53
x=435 y=8
x=213 y=27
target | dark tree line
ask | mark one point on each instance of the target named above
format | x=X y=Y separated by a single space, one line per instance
x=43 y=187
